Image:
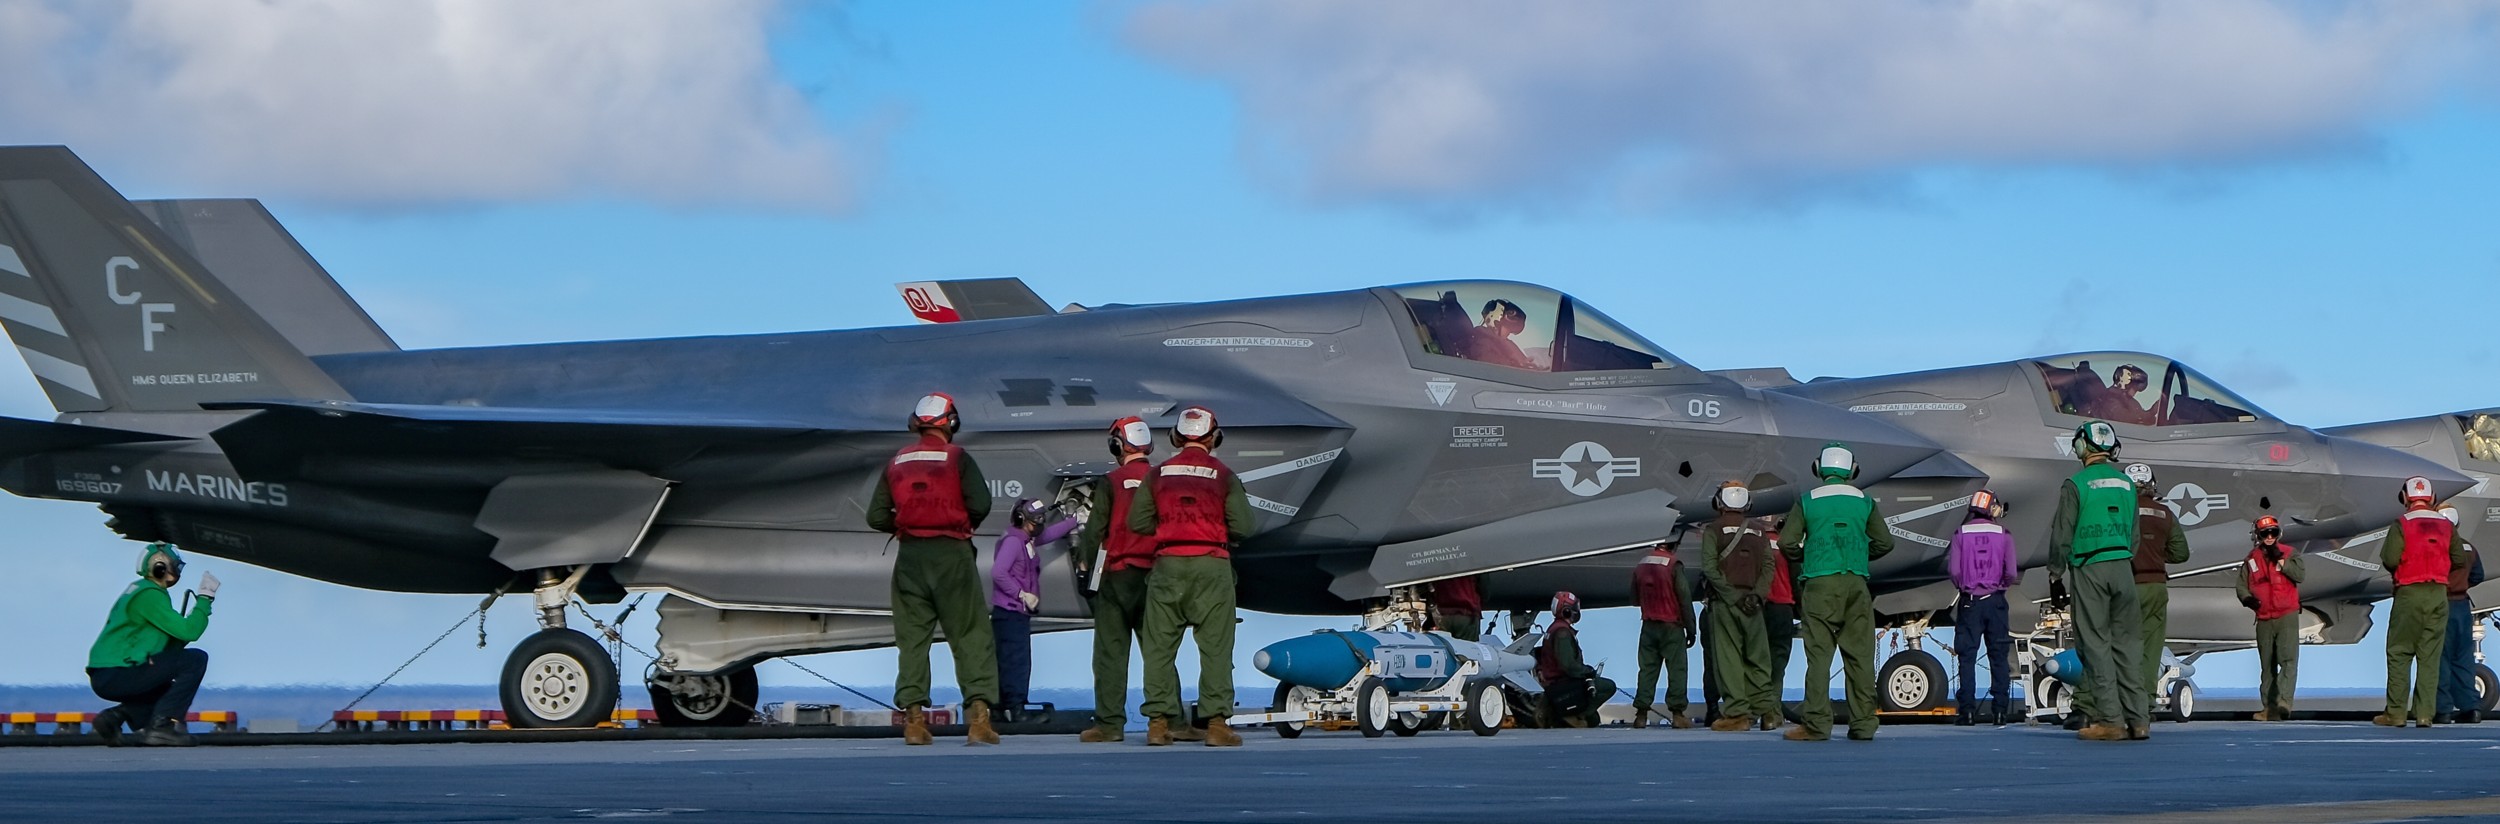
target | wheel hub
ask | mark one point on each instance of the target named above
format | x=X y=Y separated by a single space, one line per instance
x=699 y=697
x=555 y=686
x=1909 y=687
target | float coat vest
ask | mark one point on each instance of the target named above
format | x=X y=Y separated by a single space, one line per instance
x=2105 y=519
x=1190 y=489
x=1740 y=552
x=2427 y=536
x=1122 y=547
x=2152 y=541
x=2276 y=594
x=927 y=481
x=1655 y=576
x=1835 y=527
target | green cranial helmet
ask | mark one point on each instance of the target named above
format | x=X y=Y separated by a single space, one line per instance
x=156 y=555
x=1836 y=463
x=2096 y=438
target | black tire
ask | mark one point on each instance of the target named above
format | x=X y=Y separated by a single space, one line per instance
x=1406 y=726
x=1912 y=681
x=1284 y=703
x=729 y=703
x=2488 y=685
x=558 y=678
x=1483 y=700
x=1371 y=707
x=2182 y=701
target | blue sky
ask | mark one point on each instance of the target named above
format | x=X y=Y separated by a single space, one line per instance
x=2295 y=198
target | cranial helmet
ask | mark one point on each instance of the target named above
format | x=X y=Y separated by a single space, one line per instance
x=2141 y=474
x=1836 y=463
x=1197 y=425
x=936 y=410
x=1985 y=504
x=2096 y=438
x=2450 y=513
x=1732 y=497
x=1131 y=434
x=159 y=556
x=1566 y=606
x=1030 y=511
x=2267 y=524
x=2418 y=489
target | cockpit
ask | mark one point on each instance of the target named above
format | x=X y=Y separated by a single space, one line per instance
x=2140 y=389
x=1524 y=327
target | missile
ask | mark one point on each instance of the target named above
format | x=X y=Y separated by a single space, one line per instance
x=1408 y=662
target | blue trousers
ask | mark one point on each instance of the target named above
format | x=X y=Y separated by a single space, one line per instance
x=2456 y=661
x=1976 y=623
x=1014 y=631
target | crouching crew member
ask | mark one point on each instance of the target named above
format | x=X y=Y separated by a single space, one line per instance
x=1573 y=689
x=141 y=660
x=1833 y=532
x=1737 y=560
x=1122 y=560
x=2422 y=563
x=2158 y=543
x=2458 y=702
x=2269 y=585
x=1016 y=593
x=1667 y=632
x=1981 y=559
x=1196 y=510
x=931 y=498
x=2091 y=540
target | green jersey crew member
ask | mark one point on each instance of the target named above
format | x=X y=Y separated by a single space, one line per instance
x=141 y=659
x=1833 y=532
x=931 y=496
x=1123 y=559
x=1737 y=560
x=2092 y=536
x=1196 y=510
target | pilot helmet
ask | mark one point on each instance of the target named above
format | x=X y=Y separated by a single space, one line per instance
x=1131 y=434
x=1836 y=463
x=2417 y=489
x=160 y=559
x=936 y=410
x=1197 y=425
x=1732 y=497
x=2096 y=438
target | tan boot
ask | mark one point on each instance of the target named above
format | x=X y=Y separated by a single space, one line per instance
x=1679 y=721
x=1731 y=723
x=2139 y=732
x=1221 y=734
x=2102 y=732
x=1101 y=735
x=1640 y=719
x=1771 y=722
x=1799 y=734
x=2260 y=716
x=2386 y=720
x=916 y=726
x=977 y=724
x=1159 y=733
x=1188 y=732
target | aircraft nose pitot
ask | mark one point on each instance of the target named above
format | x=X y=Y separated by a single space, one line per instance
x=1803 y=427
x=2373 y=477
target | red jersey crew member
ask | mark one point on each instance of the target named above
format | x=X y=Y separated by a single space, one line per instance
x=2270 y=587
x=2422 y=552
x=931 y=497
x=1667 y=630
x=1196 y=509
x=1124 y=559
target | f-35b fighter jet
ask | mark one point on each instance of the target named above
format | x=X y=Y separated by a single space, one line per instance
x=1388 y=436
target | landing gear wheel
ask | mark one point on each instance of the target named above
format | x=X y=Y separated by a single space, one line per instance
x=1290 y=698
x=1486 y=708
x=719 y=700
x=2182 y=701
x=1371 y=707
x=1913 y=681
x=558 y=678
x=2487 y=686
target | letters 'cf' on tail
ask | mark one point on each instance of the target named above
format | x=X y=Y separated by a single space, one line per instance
x=113 y=315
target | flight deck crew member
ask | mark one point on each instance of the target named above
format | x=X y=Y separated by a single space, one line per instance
x=2417 y=623
x=1833 y=532
x=1123 y=559
x=1016 y=592
x=931 y=496
x=2458 y=702
x=1573 y=689
x=1738 y=563
x=1981 y=561
x=1458 y=606
x=1667 y=631
x=1196 y=509
x=2158 y=543
x=2269 y=585
x=141 y=660
x=1779 y=608
x=2093 y=535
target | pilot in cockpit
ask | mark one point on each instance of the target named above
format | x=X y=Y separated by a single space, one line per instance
x=1492 y=344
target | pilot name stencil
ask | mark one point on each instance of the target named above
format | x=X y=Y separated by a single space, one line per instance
x=1586 y=468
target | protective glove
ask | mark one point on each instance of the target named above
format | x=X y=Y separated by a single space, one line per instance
x=1691 y=638
x=2250 y=603
x=1031 y=601
x=2275 y=553
x=208 y=585
x=1749 y=603
x=2058 y=598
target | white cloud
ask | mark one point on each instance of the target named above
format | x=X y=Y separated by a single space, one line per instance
x=1461 y=103
x=420 y=104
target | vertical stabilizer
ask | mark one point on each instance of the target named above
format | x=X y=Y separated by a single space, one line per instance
x=240 y=241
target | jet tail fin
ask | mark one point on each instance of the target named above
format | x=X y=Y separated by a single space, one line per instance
x=949 y=301
x=113 y=314
x=239 y=239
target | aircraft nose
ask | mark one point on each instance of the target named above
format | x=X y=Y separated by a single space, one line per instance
x=2373 y=478
x=1803 y=427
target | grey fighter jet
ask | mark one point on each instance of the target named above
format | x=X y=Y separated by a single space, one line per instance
x=1388 y=436
x=2219 y=460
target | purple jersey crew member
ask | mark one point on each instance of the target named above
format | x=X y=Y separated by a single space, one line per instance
x=1015 y=592
x=1015 y=570
x=1981 y=560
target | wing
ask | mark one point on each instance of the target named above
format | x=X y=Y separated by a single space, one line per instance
x=275 y=443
